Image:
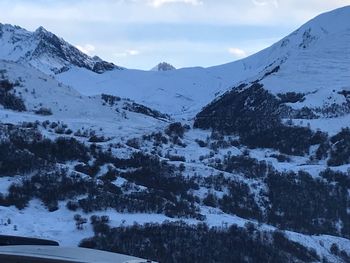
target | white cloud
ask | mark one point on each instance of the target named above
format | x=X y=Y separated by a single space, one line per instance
x=126 y=53
x=237 y=52
x=133 y=52
x=266 y=2
x=87 y=48
x=159 y=3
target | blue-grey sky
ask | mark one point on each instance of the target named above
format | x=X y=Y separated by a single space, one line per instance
x=141 y=33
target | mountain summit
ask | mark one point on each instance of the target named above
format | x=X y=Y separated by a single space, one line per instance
x=45 y=51
x=163 y=66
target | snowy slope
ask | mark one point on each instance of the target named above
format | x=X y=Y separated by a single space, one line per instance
x=179 y=92
x=313 y=60
x=39 y=90
x=45 y=51
x=317 y=53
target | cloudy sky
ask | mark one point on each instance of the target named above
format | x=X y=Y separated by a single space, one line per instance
x=141 y=33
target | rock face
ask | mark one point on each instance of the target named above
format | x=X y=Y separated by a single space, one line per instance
x=45 y=51
x=163 y=66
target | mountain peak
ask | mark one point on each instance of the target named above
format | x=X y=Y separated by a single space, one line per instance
x=163 y=66
x=11 y=28
x=41 y=29
x=333 y=21
x=46 y=51
x=41 y=32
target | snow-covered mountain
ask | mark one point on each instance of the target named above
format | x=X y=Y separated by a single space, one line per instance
x=45 y=51
x=318 y=53
x=309 y=52
x=163 y=66
x=310 y=64
x=312 y=60
x=265 y=161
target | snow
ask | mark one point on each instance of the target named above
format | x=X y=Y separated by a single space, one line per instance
x=321 y=67
x=331 y=125
x=321 y=243
x=181 y=93
x=313 y=60
x=35 y=221
x=68 y=106
x=318 y=53
x=42 y=49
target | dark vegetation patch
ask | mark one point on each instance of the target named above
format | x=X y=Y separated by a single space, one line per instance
x=134 y=143
x=50 y=187
x=294 y=201
x=165 y=192
x=333 y=110
x=288 y=200
x=133 y=107
x=176 y=129
x=336 y=149
x=291 y=97
x=25 y=150
x=176 y=132
x=179 y=242
x=138 y=108
x=272 y=71
x=175 y=158
x=255 y=115
x=245 y=165
x=158 y=138
x=345 y=93
x=201 y=143
x=281 y=157
x=343 y=254
x=110 y=99
x=340 y=150
x=8 y=99
x=44 y=111
x=238 y=200
x=97 y=139
x=309 y=205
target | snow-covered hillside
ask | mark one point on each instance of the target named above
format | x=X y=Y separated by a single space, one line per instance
x=41 y=92
x=177 y=92
x=265 y=160
x=317 y=53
